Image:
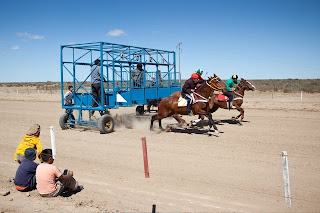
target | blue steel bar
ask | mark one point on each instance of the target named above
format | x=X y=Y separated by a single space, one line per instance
x=121 y=79
x=61 y=69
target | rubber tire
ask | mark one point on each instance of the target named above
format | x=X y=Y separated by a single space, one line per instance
x=64 y=120
x=106 y=124
x=139 y=110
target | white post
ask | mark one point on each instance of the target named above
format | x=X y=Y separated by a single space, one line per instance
x=286 y=178
x=53 y=142
x=17 y=91
x=301 y=95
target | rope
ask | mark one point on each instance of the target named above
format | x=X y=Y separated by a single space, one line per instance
x=238 y=94
x=201 y=96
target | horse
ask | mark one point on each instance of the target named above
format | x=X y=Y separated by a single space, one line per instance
x=169 y=106
x=237 y=101
x=178 y=93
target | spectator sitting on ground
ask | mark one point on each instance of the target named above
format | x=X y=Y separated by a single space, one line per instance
x=30 y=140
x=25 y=179
x=50 y=181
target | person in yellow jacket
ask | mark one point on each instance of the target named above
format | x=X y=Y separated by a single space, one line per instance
x=30 y=140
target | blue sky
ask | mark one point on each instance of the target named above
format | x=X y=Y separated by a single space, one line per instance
x=256 y=39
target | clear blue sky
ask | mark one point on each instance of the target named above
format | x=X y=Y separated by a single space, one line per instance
x=256 y=39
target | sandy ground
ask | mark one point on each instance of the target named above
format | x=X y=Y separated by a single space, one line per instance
x=239 y=171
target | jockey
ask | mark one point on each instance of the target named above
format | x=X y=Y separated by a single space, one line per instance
x=230 y=83
x=200 y=72
x=188 y=88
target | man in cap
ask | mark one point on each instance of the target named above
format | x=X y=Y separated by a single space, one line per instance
x=230 y=87
x=200 y=72
x=137 y=76
x=25 y=179
x=96 y=84
x=30 y=140
x=189 y=87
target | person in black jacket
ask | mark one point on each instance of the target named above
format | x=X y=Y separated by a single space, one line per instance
x=25 y=179
x=189 y=87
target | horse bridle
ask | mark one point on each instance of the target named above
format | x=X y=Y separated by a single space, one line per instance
x=214 y=86
x=240 y=88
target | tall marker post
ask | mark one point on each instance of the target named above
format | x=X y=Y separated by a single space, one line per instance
x=53 y=142
x=145 y=157
x=179 y=47
x=286 y=178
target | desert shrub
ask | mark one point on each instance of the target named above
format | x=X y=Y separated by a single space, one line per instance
x=263 y=85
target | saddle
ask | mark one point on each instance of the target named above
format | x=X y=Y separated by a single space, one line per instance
x=222 y=98
x=182 y=102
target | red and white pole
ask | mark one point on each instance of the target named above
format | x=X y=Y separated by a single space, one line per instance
x=145 y=157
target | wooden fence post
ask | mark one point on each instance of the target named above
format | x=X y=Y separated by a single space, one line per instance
x=145 y=157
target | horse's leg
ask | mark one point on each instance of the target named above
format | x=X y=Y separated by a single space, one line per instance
x=160 y=126
x=156 y=117
x=152 y=120
x=203 y=112
x=241 y=114
x=171 y=114
x=180 y=120
x=212 y=123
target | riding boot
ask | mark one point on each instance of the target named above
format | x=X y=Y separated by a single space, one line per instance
x=189 y=109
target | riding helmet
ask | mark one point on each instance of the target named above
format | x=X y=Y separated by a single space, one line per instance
x=194 y=76
x=234 y=77
x=199 y=71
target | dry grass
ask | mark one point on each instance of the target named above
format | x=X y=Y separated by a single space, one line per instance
x=279 y=85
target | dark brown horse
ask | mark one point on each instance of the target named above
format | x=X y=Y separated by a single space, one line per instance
x=237 y=101
x=169 y=106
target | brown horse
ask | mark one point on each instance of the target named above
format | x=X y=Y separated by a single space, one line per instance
x=169 y=106
x=237 y=101
x=178 y=93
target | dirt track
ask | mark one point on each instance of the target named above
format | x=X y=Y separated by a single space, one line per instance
x=239 y=171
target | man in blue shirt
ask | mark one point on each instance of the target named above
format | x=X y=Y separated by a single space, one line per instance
x=25 y=179
x=96 y=83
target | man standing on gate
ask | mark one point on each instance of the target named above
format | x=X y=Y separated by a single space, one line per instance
x=96 y=84
x=137 y=76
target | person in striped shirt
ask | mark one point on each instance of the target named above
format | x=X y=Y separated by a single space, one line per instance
x=68 y=96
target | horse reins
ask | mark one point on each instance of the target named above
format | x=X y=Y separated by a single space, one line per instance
x=205 y=99
x=214 y=87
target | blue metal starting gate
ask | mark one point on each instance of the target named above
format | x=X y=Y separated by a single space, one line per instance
x=159 y=79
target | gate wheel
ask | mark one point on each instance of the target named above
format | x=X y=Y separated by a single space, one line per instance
x=105 y=124
x=65 y=122
x=139 y=110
